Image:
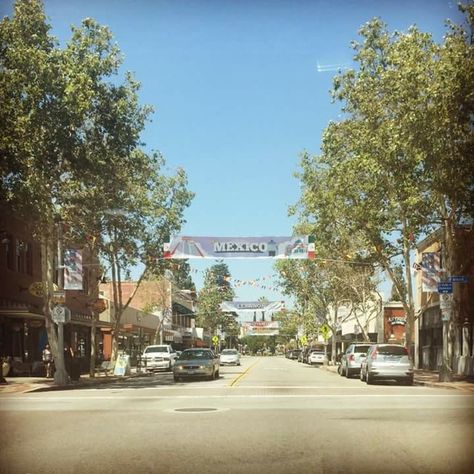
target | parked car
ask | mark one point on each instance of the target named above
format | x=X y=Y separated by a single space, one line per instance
x=196 y=363
x=316 y=357
x=158 y=357
x=230 y=357
x=387 y=362
x=352 y=359
x=294 y=353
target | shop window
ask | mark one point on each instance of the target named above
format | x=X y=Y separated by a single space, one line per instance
x=7 y=251
x=24 y=257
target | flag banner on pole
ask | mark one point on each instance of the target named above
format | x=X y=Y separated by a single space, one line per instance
x=261 y=328
x=430 y=264
x=239 y=306
x=240 y=247
x=72 y=269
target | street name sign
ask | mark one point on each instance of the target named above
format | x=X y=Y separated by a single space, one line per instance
x=459 y=279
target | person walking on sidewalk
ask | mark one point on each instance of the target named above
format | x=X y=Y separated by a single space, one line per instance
x=48 y=361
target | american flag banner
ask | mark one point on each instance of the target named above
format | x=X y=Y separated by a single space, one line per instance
x=431 y=267
x=72 y=269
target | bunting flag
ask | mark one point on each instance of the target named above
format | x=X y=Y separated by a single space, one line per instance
x=299 y=247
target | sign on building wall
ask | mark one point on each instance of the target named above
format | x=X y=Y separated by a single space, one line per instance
x=240 y=247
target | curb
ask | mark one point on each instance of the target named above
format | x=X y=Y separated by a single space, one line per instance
x=420 y=383
x=83 y=384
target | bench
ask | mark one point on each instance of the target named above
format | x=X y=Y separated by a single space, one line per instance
x=106 y=367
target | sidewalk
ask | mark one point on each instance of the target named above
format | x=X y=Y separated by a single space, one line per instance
x=43 y=384
x=430 y=379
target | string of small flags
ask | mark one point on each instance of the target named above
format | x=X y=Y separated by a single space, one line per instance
x=265 y=282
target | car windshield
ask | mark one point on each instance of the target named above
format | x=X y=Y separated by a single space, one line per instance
x=361 y=349
x=190 y=355
x=392 y=350
x=229 y=352
x=156 y=349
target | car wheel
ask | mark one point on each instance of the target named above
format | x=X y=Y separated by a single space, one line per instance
x=348 y=374
x=369 y=379
x=361 y=376
x=216 y=375
x=176 y=378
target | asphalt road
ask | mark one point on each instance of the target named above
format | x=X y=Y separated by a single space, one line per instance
x=271 y=415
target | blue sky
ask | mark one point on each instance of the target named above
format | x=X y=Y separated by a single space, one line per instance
x=238 y=96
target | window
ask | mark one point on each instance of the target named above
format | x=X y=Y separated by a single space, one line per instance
x=24 y=257
x=392 y=350
x=7 y=253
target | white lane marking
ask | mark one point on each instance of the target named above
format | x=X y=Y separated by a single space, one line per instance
x=261 y=387
x=206 y=397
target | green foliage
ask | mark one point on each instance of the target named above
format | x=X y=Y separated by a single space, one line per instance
x=400 y=163
x=215 y=290
x=70 y=147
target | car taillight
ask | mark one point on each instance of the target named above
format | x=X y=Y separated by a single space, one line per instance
x=351 y=357
x=374 y=354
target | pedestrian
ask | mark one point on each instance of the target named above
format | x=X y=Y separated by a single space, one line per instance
x=68 y=358
x=48 y=361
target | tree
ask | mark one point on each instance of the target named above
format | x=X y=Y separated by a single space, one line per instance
x=400 y=163
x=182 y=277
x=70 y=143
x=321 y=289
x=216 y=289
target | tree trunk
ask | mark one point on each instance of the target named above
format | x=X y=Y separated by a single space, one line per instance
x=410 y=322
x=449 y=264
x=47 y=270
x=93 y=345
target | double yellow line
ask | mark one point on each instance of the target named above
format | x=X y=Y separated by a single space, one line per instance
x=242 y=375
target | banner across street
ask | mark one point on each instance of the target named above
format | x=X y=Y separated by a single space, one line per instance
x=184 y=247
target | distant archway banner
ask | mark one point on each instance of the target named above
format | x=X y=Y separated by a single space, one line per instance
x=252 y=306
x=297 y=247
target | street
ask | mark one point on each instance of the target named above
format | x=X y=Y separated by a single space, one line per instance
x=269 y=415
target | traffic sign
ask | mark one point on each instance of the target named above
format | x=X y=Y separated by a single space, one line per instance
x=324 y=331
x=215 y=340
x=304 y=340
x=61 y=314
x=446 y=302
x=445 y=287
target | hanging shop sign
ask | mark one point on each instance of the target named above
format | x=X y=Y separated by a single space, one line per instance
x=240 y=247
x=72 y=269
x=397 y=321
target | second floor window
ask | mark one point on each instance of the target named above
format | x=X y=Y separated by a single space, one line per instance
x=24 y=257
